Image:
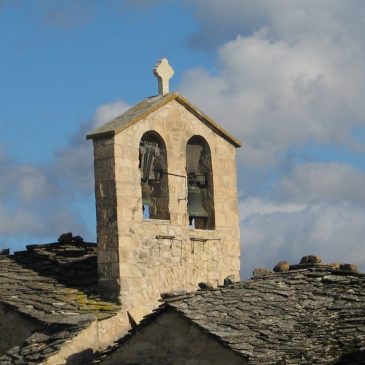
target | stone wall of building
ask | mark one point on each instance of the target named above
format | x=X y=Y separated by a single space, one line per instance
x=97 y=336
x=106 y=218
x=14 y=328
x=171 y=339
x=148 y=257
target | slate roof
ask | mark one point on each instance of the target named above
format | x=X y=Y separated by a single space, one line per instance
x=295 y=317
x=305 y=316
x=149 y=105
x=55 y=284
x=42 y=344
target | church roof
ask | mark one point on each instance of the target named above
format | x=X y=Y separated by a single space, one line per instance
x=53 y=282
x=305 y=316
x=54 y=285
x=43 y=344
x=149 y=105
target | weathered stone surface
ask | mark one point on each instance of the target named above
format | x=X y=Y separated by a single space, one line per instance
x=49 y=294
x=136 y=314
x=281 y=266
x=170 y=339
x=306 y=316
x=310 y=259
x=261 y=271
x=65 y=238
x=14 y=328
x=349 y=267
x=335 y=265
x=43 y=345
x=149 y=262
x=205 y=286
x=229 y=280
x=173 y=293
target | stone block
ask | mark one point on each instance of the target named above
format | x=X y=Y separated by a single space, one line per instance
x=100 y=142
x=281 y=266
x=137 y=313
x=225 y=151
x=105 y=152
x=129 y=270
x=108 y=256
x=108 y=271
x=348 y=267
x=261 y=271
x=310 y=259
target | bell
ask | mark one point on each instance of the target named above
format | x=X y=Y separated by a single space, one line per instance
x=195 y=205
x=146 y=195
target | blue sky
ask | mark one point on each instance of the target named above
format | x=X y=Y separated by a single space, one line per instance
x=286 y=78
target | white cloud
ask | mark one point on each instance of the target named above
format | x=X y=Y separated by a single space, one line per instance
x=40 y=201
x=296 y=74
x=288 y=75
x=256 y=207
x=324 y=182
x=106 y=112
x=26 y=183
x=32 y=203
x=73 y=165
x=334 y=231
x=274 y=95
x=316 y=208
x=222 y=20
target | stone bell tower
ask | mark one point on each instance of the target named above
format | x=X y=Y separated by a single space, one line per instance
x=166 y=200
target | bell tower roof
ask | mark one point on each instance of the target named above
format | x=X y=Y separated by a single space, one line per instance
x=151 y=104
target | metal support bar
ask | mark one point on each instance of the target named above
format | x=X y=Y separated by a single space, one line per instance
x=197 y=239
x=162 y=237
x=171 y=174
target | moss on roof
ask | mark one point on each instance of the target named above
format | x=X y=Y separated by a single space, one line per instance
x=54 y=283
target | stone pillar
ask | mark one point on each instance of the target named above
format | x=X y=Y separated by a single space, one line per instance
x=106 y=219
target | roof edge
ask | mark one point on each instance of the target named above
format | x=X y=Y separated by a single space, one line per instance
x=204 y=117
x=163 y=101
x=134 y=120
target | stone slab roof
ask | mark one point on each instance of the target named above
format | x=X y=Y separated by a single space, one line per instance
x=53 y=282
x=305 y=316
x=295 y=317
x=149 y=105
x=42 y=344
x=56 y=285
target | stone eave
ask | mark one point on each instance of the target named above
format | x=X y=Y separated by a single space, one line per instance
x=119 y=124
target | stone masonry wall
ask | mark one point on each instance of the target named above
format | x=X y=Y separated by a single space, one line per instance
x=106 y=218
x=132 y=251
x=171 y=339
x=97 y=336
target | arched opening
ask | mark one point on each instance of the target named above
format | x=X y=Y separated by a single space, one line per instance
x=154 y=178
x=200 y=203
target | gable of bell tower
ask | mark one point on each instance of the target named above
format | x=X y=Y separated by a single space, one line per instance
x=166 y=202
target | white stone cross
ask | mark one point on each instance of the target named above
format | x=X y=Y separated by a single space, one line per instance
x=163 y=71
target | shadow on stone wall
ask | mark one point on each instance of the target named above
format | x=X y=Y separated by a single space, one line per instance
x=83 y=357
x=357 y=358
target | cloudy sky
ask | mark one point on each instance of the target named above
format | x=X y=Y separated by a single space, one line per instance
x=286 y=77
